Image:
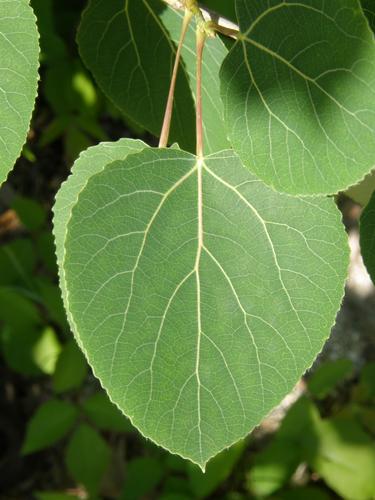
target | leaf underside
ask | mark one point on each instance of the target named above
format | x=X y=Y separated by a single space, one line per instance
x=198 y=294
x=19 y=55
x=299 y=93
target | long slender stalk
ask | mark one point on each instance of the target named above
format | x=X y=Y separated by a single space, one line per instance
x=201 y=39
x=164 y=135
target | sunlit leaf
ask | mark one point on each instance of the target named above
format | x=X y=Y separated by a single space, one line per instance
x=299 y=94
x=199 y=295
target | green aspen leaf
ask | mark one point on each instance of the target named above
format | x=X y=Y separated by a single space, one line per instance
x=367 y=236
x=89 y=163
x=198 y=294
x=50 y=423
x=19 y=55
x=215 y=134
x=129 y=51
x=299 y=94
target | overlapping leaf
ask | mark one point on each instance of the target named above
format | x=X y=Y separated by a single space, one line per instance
x=367 y=236
x=19 y=54
x=130 y=47
x=199 y=295
x=91 y=161
x=299 y=93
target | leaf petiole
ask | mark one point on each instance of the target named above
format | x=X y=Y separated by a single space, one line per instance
x=164 y=135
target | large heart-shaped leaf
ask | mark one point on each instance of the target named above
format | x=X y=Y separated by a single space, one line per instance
x=299 y=93
x=198 y=294
x=130 y=45
x=19 y=55
x=90 y=162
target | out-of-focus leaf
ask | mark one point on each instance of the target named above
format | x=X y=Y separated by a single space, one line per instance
x=17 y=347
x=17 y=311
x=217 y=471
x=367 y=383
x=51 y=296
x=32 y=214
x=367 y=236
x=54 y=495
x=50 y=423
x=273 y=466
x=46 y=251
x=344 y=456
x=328 y=375
x=305 y=493
x=17 y=263
x=71 y=368
x=105 y=415
x=142 y=476
x=87 y=458
x=46 y=350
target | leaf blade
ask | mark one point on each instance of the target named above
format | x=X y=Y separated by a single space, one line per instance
x=197 y=378
x=19 y=51
x=297 y=88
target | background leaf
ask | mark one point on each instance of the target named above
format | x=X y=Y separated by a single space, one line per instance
x=71 y=369
x=19 y=54
x=191 y=348
x=298 y=92
x=51 y=422
x=367 y=236
x=130 y=53
x=87 y=458
x=328 y=375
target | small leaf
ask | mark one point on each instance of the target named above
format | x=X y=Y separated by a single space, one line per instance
x=218 y=471
x=51 y=422
x=131 y=55
x=19 y=51
x=273 y=467
x=367 y=236
x=199 y=295
x=46 y=351
x=299 y=95
x=344 y=456
x=31 y=213
x=328 y=375
x=87 y=458
x=105 y=415
x=142 y=476
x=71 y=369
